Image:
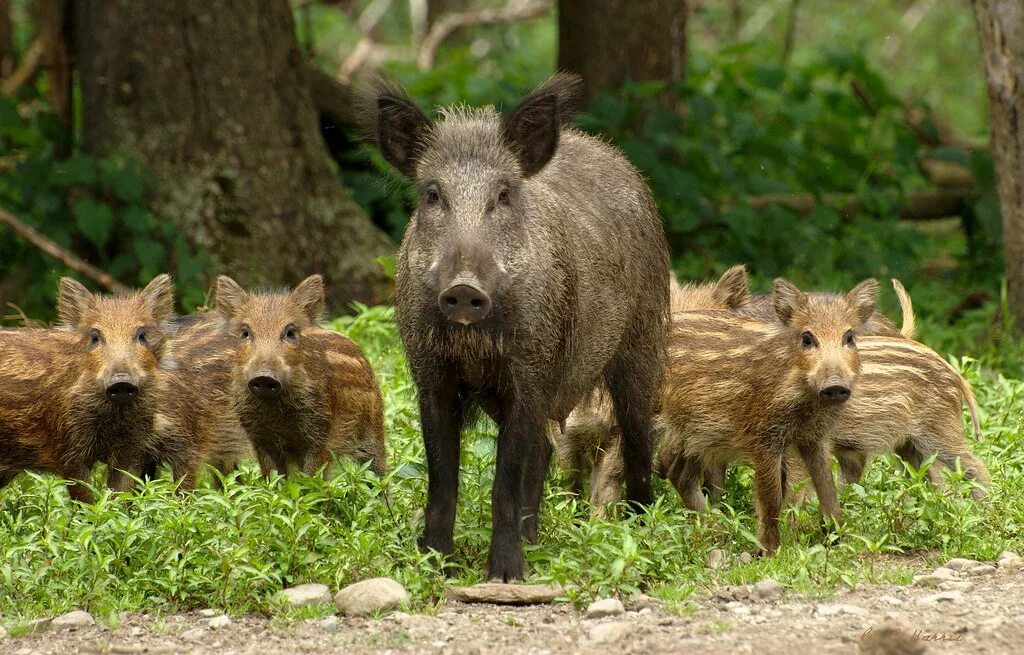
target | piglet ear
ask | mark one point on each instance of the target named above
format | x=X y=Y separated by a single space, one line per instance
x=863 y=299
x=399 y=128
x=309 y=296
x=159 y=297
x=732 y=289
x=73 y=299
x=787 y=299
x=228 y=297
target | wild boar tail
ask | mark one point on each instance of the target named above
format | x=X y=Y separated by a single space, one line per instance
x=972 y=406
x=907 y=308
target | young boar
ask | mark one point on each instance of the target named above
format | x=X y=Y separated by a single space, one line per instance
x=742 y=389
x=196 y=421
x=909 y=401
x=82 y=393
x=533 y=267
x=587 y=445
x=302 y=393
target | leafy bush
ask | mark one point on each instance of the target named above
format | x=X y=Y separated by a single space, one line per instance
x=94 y=207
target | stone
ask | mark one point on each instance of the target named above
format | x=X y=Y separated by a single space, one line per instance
x=981 y=569
x=330 y=624
x=892 y=601
x=506 y=594
x=738 y=608
x=370 y=597
x=958 y=585
x=218 y=622
x=767 y=588
x=745 y=558
x=715 y=558
x=609 y=633
x=73 y=620
x=605 y=607
x=208 y=613
x=306 y=595
x=837 y=609
x=194 y=635
x=961 y=564
x=941 y=597
x=1010 y=561
x=3 y=633
x=936 y=577
x=890 y=638
x=642 y=601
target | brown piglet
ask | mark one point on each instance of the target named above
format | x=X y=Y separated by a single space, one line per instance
x=303 y=393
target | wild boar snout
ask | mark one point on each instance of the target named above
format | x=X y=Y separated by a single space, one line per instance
x=464 y=301
x=122 y=389
x=265 y=386
x=835 y=391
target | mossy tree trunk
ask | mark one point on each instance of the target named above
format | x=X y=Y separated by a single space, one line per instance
x=611 y=41
x=1001 y=28
x=212 y=99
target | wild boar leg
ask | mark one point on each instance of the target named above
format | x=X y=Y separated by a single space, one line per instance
x=973 y=468
x=120 y=469
x=768 y=493
x=714 y=484
x=851 y=464
x=815 y=457
x=521 y=428
x=634 y=381
x=534 y=475
x=441 y=420
x=76 y=485
x=915 y=458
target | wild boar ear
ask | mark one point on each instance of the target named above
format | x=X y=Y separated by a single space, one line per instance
x=787 y=299
x=532 y=130
x=309 y=296
x=732 y=288
x=400 y=128
x=73 y=299
x=228 y=297
x=159 y=297
x=863 y=299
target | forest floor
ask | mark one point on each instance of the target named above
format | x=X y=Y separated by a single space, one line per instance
x=974 y=614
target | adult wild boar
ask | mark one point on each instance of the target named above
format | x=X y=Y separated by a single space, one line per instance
x=533 y=268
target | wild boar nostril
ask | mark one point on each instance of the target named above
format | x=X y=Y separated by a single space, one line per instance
x=265 y=387
x=464 y=303
x=451 y=300
x=122 y=392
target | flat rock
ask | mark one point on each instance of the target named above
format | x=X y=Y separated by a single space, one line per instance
x=605 y=607
x=208 y=613
x=839 y=608
x=892 y=601
x=642 y=601
x=218 y=622
x=371 y=596
x=745 y=558
x=890 y=638
x=958 y=585
x=609 y=633
x=715 y=558
x=961 y=564
x=951 y=596
x=505 y=594
x=1010 y=561
x=981 y=569
x=330 y=624
x=194 y=635
x=73 y=620
x=767 y=588
x=305 y=595
x=936 y=577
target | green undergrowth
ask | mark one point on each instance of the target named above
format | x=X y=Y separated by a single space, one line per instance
x=234 y=548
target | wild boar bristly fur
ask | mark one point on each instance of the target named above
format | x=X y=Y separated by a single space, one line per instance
x=534 y=267
x=83 y=393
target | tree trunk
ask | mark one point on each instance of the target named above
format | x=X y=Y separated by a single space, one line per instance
x=53 y=21
x=211 y=98
x=8 y=55
x=611 y=41
x=1001 y=26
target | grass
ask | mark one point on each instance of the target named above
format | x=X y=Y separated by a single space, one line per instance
x=234 y=549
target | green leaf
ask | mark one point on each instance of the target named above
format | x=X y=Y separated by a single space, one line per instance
x=77 y=170
x=95 y=220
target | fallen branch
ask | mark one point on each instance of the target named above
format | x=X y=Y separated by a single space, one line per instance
x=927 y=204
x=65 y=257
x=26 y=70
x=451 y=23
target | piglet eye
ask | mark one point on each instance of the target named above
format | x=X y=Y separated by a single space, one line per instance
x=431 y=197
x=94 y=337
x=245 y=334
x=141 y=336
x=291 y=333
x=503 y=196
x=807 y=339
x=848 y=338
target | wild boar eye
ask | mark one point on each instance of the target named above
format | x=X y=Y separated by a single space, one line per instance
x=807 y=339
x=245 y=334
x=94 y=337
x=291 y=333
x=431 y=197
x=141 y=337
x=848 y=338
x=504 y=196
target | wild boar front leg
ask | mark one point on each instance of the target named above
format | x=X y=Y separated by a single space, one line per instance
x=521 y=428
x=122 y=468
x=441 y=420
x=815 y=457
x=534 y=475
x=634 y=380
x=714 y=484
x=768 y=492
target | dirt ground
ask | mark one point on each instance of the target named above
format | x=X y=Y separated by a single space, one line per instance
x=982 y=614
